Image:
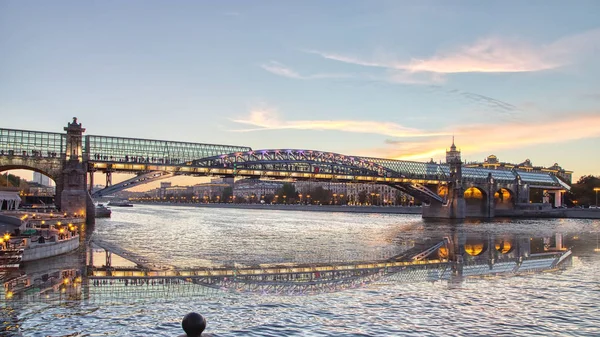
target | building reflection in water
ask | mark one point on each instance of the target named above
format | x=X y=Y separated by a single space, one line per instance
x=97 y=275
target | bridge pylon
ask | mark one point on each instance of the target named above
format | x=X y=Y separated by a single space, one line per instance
x=74 y=197
x=455 y=206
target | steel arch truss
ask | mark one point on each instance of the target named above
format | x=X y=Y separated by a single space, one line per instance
x=304 y=162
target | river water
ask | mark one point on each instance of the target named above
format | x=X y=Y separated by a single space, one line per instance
x=564 y=302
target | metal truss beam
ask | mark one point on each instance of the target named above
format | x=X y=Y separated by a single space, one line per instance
x=135 y=181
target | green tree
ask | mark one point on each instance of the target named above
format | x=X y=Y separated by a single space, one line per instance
x=362 y=197
x=319 y=195
x=13 y=180
x=583 y=192
x=399 y=198
x=289 y=191
x=227 y=192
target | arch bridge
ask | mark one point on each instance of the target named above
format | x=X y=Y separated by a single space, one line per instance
x=71 y=159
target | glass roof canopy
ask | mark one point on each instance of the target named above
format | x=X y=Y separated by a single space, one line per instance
x=38 y=143
x=435 y=171
x=442 y=171
x=103 y=148
x=537 y=178
x=481 y=174
x=412 y=169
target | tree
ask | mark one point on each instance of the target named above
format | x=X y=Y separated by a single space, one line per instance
x=399 y=198
x=583 y=191
x=319 y=195
x=227 y=193
x=13 y=180
x=362 y=197
x=289 y=191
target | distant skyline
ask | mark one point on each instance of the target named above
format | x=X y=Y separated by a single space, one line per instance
x=392 y=79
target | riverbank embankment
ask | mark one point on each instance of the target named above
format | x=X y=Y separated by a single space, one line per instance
x=564 y=213
x=295 y=207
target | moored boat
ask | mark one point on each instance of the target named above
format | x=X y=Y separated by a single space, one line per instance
x=120 y=203
x=102 y=211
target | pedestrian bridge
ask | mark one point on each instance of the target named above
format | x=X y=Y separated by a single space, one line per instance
x=71 y=160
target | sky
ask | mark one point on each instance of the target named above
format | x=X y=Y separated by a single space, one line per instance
x=391 y=79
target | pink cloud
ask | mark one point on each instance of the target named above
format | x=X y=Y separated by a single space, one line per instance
x=487 y=138
x=268 y=119
x=491 y=55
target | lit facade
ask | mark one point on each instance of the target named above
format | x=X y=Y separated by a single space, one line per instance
x=492 y=162
x=255 y=188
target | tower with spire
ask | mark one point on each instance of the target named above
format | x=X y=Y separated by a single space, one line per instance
x=455 y=188
x=453 y=156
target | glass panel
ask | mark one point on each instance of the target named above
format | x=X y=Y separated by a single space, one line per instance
x=104 y=148
x=31 y=143
x=530 y=177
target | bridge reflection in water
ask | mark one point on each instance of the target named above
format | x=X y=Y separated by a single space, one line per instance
x=98 y=275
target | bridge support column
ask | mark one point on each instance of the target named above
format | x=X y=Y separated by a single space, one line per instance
x=74 y=197
x=108 y=178
x=557 y=198
x=455 y=207
x=456 y=253
x=490 y=205
x=91 y=180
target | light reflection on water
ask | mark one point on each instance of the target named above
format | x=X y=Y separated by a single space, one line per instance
x=550 y=304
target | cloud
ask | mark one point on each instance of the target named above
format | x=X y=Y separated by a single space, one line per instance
x=483 y=138
x=491 y=55
x=415 y=144
x=488 y=55
x=282 y=70
x=268 y=119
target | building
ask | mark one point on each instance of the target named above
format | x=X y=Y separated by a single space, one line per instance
x=254 y=190
x=453 y=155
x=41 y=179
x=492 y=162
x=212 y=191
x=350 y=193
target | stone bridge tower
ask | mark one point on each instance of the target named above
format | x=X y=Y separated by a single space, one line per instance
x=456 y=197
x=71 y=186
x=455 y=206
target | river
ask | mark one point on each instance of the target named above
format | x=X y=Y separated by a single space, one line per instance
x=563 y=302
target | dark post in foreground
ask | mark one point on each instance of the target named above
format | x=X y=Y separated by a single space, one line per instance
x=193 y=324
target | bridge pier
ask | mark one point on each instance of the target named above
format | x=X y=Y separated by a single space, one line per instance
x=455 y=207
x=73 y=197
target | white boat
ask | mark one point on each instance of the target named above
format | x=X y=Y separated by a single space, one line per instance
x=120 y=203
x=102 y=211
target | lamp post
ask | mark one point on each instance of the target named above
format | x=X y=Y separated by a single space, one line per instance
x=596 y=189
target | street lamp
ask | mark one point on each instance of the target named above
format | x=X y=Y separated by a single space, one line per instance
x=596 y=189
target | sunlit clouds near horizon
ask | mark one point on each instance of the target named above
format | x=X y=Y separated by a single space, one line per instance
x=378 y=78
